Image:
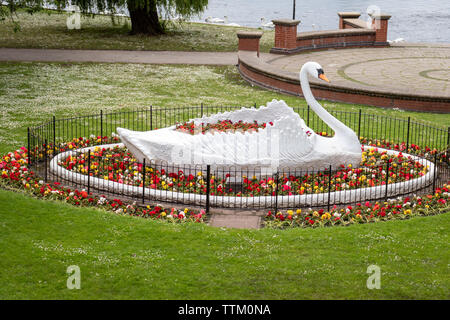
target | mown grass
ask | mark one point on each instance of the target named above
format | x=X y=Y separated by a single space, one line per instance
x=125 y=257
x=48 y=30
x=132 y=258
x=31 y=93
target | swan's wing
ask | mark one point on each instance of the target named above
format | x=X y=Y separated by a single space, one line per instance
x=286 y=141
x=273 y=111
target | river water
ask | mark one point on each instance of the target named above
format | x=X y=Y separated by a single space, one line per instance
x=412 y=20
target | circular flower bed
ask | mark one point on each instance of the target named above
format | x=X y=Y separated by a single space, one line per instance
x=119 y=165
x=16 y=175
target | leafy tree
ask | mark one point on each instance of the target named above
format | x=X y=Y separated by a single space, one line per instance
x=145 y=14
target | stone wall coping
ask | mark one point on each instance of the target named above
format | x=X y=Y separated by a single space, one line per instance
x=286 y=22
x=333 y=33
x=349 y=14
x=380 y=16
x=356 y=23
x=251 y=61
x=249 y=34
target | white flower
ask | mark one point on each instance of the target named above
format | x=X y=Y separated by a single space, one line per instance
x=337 y=215
x=101 y=200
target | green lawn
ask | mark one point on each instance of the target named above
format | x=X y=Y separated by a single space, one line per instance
x=49 y=30
x=125 y=257
x=132 y=258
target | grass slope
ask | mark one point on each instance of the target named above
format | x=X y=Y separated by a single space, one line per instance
x=125 y=257
x=132 y=258
x=48 y=30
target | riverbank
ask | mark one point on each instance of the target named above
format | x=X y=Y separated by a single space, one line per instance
x=48 y=30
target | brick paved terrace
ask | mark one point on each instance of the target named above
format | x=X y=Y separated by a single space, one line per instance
x=406 y=76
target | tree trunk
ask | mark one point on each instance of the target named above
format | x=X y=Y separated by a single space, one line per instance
x=144 y=18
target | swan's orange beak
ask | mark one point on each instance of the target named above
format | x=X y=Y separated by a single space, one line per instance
x=324 y=77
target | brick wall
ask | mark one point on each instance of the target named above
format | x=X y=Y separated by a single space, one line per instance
x=286 y=33
x=287 y=40
x=249 y=40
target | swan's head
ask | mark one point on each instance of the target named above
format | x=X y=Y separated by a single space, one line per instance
x=315 y=70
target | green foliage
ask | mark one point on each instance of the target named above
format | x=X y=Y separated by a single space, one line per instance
x=168 y=8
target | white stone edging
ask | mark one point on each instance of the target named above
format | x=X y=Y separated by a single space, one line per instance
x=308 y=200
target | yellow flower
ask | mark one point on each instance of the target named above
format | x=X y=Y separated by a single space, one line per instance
x=186 y=210
x=163 y=214
x=299 y=210
x=315 y=214
x=199 y=173
x=408 y=211
x=290 y=212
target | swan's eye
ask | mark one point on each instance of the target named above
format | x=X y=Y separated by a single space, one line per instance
x=320 y=71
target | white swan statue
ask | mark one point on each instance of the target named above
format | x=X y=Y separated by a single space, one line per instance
x=286 y=141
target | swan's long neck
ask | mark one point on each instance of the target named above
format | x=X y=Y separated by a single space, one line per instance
x=337 y=126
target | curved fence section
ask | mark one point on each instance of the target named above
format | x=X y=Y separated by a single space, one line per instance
x=403 y=157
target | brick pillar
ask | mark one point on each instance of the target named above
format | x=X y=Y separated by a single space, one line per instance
x=347 y=15
x=286 y=33
x=249 y=40
x=380 y=24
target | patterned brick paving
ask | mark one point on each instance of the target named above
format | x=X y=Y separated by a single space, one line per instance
x=416 y=69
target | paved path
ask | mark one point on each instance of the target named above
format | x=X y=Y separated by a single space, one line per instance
x=409 y=69
x=119 y=56
x=237 y=219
